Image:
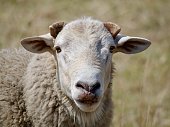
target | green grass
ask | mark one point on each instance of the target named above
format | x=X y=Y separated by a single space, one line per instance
x=141 y=87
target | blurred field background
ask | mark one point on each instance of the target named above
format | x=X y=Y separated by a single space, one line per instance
x=141 y=87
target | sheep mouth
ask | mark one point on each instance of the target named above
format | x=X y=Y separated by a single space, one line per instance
x=88 y=100
x=87 y=103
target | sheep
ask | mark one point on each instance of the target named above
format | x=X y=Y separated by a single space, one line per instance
x=63 y=78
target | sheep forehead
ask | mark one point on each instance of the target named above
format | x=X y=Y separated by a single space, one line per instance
x=85 y=29
x=84 y=23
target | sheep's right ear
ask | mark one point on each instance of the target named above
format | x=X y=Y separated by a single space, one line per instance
x=38 y=44
x=43 y=43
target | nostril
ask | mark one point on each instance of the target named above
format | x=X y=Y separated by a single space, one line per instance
x=82 y=86
x=90 y=88
x=95 y=87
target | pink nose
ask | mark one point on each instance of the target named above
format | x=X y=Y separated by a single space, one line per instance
x=92 y=88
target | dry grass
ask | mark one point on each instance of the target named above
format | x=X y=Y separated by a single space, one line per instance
x=141 y=87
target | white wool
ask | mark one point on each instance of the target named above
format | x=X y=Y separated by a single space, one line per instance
x=34 y=77
x=30 y=92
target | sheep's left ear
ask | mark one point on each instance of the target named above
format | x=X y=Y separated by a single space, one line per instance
x=130 y=45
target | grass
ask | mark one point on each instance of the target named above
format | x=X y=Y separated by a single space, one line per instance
x=142 y=82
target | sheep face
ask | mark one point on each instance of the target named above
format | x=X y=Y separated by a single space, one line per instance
x=84 y=62
x=83 y=51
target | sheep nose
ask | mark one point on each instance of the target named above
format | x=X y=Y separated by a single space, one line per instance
x=92 y=88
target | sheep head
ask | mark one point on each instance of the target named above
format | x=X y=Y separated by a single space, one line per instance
x=83 y=50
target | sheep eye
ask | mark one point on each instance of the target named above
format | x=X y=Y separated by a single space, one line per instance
x=58 y=49
x=111 y=49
